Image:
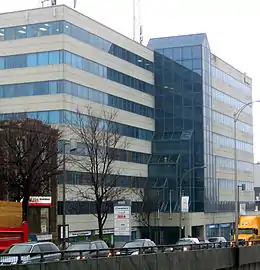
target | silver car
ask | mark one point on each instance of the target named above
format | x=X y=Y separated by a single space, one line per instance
x=218 y=241
x=30 y=253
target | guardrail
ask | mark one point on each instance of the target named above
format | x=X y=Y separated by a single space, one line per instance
x=24 y=258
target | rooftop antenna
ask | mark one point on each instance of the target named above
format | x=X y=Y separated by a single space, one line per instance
x=74 y=3
x=134 y=22
x=141 y=38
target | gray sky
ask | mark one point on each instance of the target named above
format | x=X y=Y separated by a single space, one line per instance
x=231 y=26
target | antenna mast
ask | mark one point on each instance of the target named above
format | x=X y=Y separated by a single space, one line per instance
x=141 y=38
x=134 y=22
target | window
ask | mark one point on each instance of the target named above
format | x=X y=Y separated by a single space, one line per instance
x=59 y=27
x=59 y=57
x=54 y=58
x=218 y=95
x=45 y=248
x=62 y=116
x=99 y=245
x=230 y=80
x=32 y=60
x=227 y=120
x=36 y=249
x=228 y=142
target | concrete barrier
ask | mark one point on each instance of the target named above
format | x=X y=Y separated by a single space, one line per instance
x=244 y=258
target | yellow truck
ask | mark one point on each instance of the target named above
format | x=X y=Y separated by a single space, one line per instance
x=249 y=229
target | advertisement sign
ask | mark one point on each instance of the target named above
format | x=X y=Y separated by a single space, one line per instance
x=185 y=204
x=40 y=201
x=122 y=218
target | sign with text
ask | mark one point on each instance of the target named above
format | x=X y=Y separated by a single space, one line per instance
x=40 y=201
x=122 y=218
x=242 y=209
x=185 y=204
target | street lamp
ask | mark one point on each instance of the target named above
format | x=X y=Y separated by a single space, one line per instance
x=236 y=117
x=180 y=191
x=73 y=147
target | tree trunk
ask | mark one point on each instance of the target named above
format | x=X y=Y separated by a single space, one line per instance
x=25 y=208
x=100 y=226
x=149 y=228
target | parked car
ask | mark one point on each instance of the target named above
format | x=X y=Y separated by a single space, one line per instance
x=136 y=247
x=84 y=250
x=33 y=249
x=218 y=241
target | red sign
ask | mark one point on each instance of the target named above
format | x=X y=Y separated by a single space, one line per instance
x=41 y=201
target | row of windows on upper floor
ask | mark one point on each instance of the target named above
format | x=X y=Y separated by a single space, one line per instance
x=116 y=154
x=216 y=72
x=236 y=104
x=228 y=163
x=182 y=53
x=82 y=178
x=67 y=87
x=228 y=142
x=76 y=61
x=229 y=121
x=63 y=27
x=229 y=184
x=65 y=117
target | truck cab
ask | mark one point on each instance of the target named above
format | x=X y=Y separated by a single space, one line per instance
x=248 y=229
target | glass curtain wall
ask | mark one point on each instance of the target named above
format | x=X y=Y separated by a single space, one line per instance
x=178 y=130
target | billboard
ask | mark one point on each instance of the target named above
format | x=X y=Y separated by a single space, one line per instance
x=122 y=218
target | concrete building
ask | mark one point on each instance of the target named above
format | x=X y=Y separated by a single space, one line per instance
x=54 y=61
x=175 y=100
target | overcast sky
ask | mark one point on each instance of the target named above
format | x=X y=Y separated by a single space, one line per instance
x=231 y=26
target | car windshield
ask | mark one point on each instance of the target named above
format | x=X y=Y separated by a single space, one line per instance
x=185 y=242
x=133 y=244
x=82 y=246
x=18 y=249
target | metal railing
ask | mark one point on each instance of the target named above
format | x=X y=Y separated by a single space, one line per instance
x=24 y=258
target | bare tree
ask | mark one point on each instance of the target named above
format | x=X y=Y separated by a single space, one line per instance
x=29 y=159
x=101 y=139
x=148 y=204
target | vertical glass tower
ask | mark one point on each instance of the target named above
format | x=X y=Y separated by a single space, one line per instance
x=183 y=126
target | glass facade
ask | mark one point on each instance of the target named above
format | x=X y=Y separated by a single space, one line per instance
x=74 y=89
x=183 y=104
x=63 y=117
x=63 y=27
x=76 y=61
x=177 y=145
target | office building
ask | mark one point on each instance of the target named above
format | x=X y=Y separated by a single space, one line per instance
x=175 y=101
x=55 y=61
x=195 y=101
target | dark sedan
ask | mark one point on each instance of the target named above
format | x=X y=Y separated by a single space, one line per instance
x=136 y=247
x=84 y=250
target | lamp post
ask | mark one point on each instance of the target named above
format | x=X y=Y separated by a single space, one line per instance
x=181 y=191
x=236 y=118
x=73 y=147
